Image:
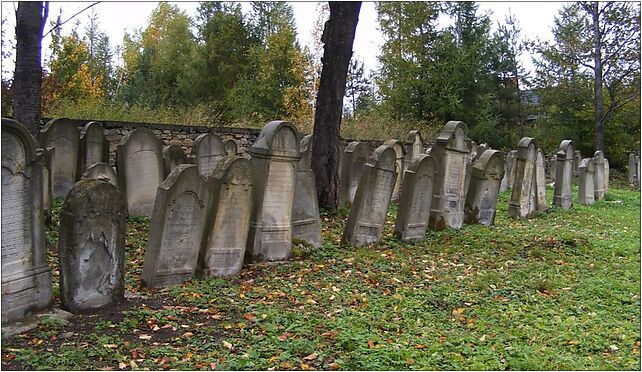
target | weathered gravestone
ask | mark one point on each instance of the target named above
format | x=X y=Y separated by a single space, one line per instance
x=586 y=182
x=480 y=150
x=63 y=135
x=94 y=147
x=355 y=157
x=607 y=174
x=577 y=158
x=306 y=223
x=416 y=197
x=26 y=278
x=553 y=167
x=414 y=149
x=371 y=202
x=173 y=156
x=509 y=172
x=450 y=154
x=470 y=161
x=228 y=222
x=208 y=149
x=274 y=162
x=634 y=176
x=91 y=246
x=523 y=201
x=176 y=228
x=541 y=204
x=481 y=199
x=102 y=171
x=598 y=175
x=230 y=146
x=47 y=156
x=563 y=192
x=400 y=154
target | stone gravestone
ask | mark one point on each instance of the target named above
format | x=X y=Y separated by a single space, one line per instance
x=91 y=246
x=470 y=161
x=541 y=204
x=553 y=167
x=371 y=202
x=634 y=177
x=102 y=171
x=275 y=156
x=139 y=162
x=173 y=156
x=481 y=199
x=306 y=223
x=63 y=135
x=480 y=150
x=509 y=172
x=415 y=148
x=607 y=174
x=577 y=158
x=47 y=156
x=208 y=149
x=230 y=146
x=416 y=196
x=176 y=228
x=94 y=147
x=26 y=278
x=563 y=193
x=586 y=182
x=355 y=157
x=400 y=153
x=598 y=175
x=522 y=202
x=450 y=154
x=228 y=222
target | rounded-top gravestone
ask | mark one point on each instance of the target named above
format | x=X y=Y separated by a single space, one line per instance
x=62 y=135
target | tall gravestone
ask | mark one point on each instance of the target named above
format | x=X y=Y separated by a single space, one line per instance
x=563 y=192
x=541 y=204
x=275 y=156
x=598 y=175
x=481 y=199
x=634 y=177
x=607 y=174
x=416 y=197
x=355 y=157
x=94 y=147
x=26 y=278
x=522 y=202
x=306 y=222
x=102 y=171
x=470 y=161
x=586 y=182
x=509 y=173
x=62 y=135
x=577 y=158
x=176 y=228
x=47 y=156
x=208 y=149
x=553 y=167
x=228 y=222
x=91 y=246
x=139 y=162
x=414 y=149
x=371 y=202
x=450 y=154
x=173 y=156
x=400 y=154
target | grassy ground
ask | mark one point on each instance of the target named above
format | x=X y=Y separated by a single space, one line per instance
x=557 y=292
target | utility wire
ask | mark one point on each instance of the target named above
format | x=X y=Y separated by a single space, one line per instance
x=70 y=18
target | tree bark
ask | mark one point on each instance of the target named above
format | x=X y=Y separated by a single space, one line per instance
x=338 y=37
x=598 y=79
x=30 y=21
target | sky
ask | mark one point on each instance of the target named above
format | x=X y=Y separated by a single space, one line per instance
x=115 y=18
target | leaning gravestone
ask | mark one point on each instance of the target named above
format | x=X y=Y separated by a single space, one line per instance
x=94 y=147
x=634 y=177
x=26 y=278
x=541 y=204
x=228 y=224
x=577 y=158
x=400 y=153
x=415 y=148
x=91 y=246
x=522 y=202
x=274 y=162
x=63 y=135
x=563 y=192
x=481 y=199
x=173 y=156
x=607 y=174
x=208 y=149
x=306 y=223
x=355 y=157
x=509 y=173
x=139 y=162
x=598 y=176
x=371 y=202
x=416 y=196
x=176 y=229
x=450 y=154
x=586 y=182
x=47 y=156
x=230 y=146
x=102 y=171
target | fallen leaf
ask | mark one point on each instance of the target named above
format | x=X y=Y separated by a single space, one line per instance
x=457 y=312
x=227 y=345
x=145 y=337
x=310 y=357
x=420 y=346
x=304 y=366
x=188 y=334
x=212 y=366
x=249 y=317
x=573 y=342
x=170 y=317
x=370 y=344
x=613 y=348
x=334 y=366
x=110 y=346
x=122 y=365
x=285 y=336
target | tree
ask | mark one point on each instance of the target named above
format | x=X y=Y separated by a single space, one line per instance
x=357 y=84
x=270 y=17
x=338 y=37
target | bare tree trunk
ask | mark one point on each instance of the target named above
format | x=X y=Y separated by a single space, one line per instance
x=338 y=37
x=30 y=21
x=594 y=10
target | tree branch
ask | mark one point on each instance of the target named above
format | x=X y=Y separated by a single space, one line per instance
x=69 y=19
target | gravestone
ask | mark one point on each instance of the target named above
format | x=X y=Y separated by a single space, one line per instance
x=275 y=156
x=26 y=278
x=598 y=175
x=414 y=149
x=173 y=156
x=607 y=174
x=553 y=167
x=228 y=222
x=450 y=154
x=541 y=204
x=401 y=154
x=371 y=202
x=91 y=246
x=577 y=158
x=481 y=199
x=522 y=203
x=176 y=229
x=416 y=196
x=208 y=149
x=355 y=157
x=563 y=193
x=480 y=150
x=63 y=135
x=139 y=162
x=634 y=179
x=306 y=223
x=509 y=171
x=586 y=182
x=102 y=171
x=47 y=156
x=230 y=147
x=94 y=147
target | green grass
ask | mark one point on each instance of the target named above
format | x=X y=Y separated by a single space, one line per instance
x=560 y=291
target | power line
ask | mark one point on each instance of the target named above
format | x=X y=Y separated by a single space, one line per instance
x=70 y=18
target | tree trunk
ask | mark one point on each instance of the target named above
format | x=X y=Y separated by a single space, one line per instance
x=598 y=69
x=30 y=21
x=338 y=36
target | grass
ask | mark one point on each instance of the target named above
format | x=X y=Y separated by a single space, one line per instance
x=560 y=291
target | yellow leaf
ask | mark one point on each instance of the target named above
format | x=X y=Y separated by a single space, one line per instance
x=227 y=345
x=457 y=312
x=312 y=356
x=110 y=346
x=145 y=337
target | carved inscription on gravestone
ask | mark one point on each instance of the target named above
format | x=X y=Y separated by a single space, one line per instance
x=416 y=197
